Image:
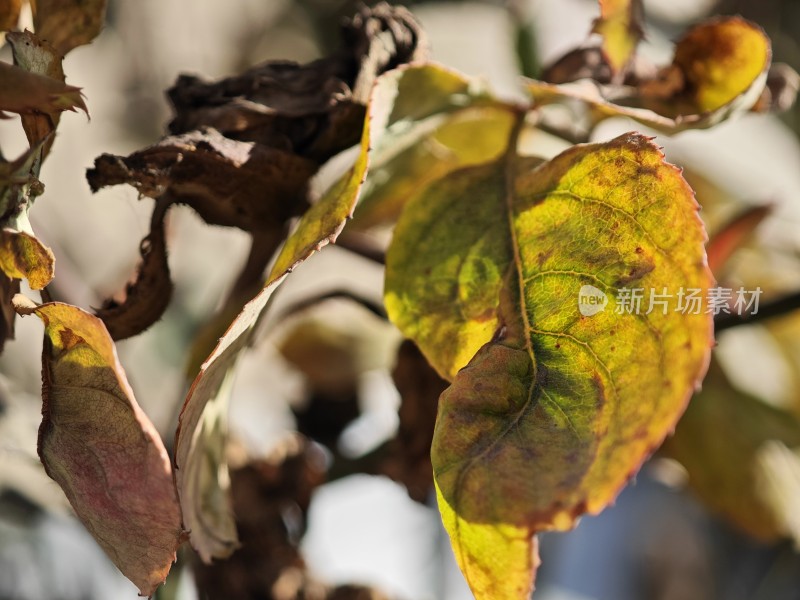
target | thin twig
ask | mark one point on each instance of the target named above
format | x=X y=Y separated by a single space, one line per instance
x=775 y=308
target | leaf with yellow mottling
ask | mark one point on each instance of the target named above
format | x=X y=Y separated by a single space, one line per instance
x=559 y=405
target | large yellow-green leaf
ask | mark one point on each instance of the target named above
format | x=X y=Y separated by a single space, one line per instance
x=103 y=451
x=620 y=24
x=559 y=405
x=719 y=70
x=724 y=442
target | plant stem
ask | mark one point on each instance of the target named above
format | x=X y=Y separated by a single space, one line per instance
x=775 y=308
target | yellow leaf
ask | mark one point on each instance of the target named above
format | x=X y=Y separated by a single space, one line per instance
x=620 y=24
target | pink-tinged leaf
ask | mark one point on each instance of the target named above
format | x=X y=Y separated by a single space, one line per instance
x=101 y=448
x=732 y=235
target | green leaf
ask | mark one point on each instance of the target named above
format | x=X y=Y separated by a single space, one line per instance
x=723 y=441
x=103 y=451
x=719 y=70
x=471 y=136
x=620 y=24
x=555 y=410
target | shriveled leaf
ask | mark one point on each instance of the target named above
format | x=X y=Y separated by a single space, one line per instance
x=22 y=256
x=147 y=297
x=103 y=451
x=314 y=110
x=231 y=183
x=24 y=93
x=467 y=137
x=560 y=406
x=38 y=56
x=719 y=71
x=68 y=23
x=621 y=25
x=9 y=14
x=732 y=235
x=720 y=441
x=201 y=472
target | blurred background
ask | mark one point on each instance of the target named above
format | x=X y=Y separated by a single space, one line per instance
x=656 y=543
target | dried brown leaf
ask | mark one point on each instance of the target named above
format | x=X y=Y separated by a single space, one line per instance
x=40 y=57
x=25 y=93
x=68 y=23
x=228 y=182
x=147 y=297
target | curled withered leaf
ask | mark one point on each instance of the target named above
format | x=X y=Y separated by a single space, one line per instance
x=314 y=110
x=228 y=182
x=147 y=297
x=23 y=92
x=68 y=23
x=40 y=57
x=719 y=70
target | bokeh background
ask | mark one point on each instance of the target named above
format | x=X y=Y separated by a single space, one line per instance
x=657 y=543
